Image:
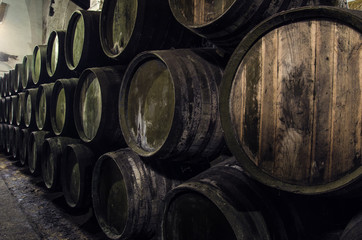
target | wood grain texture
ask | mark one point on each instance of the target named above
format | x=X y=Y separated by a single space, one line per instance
x=296 y=102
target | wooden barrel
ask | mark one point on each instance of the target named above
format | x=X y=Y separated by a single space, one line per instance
x=42 y=106
x=168 y=104
x=292 y=115
x=221 y=203
x=3 y=84
x=355 y=4
x=2 y=80
x=353 y=230
x=2 y=137
x=128 y=28
x=55 y=58
x=11 y=80
x=13 y=107
x=2 y=109
x=27 y=80
x=76 y=175
x=23 y=150
x=14 y=142
x=226 y=22
x=95 y=108
x=20 y=109
x=39 y=74
x=52 y=152
x=61 y=109
x=7 y=109
x=9 y=138
x=29 y=108
x=128 y=194
x=35 y=144
x=82 y=44
x=18 y=87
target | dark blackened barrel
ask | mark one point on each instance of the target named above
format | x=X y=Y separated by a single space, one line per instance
x=168 y=104
x=61 y=109
x=130 y=27
x=292 y=115
x=128 y=194
x=76 y=175
x=29 y=108
x=39 y=74
x=20 y=109
x=82 y=44
x=42 y=106
x=8 y=138
x=18 y=87
x=353 y=230
x=55 y=58
x=35 y=144
x=51 y=157
x=23 y=151
x=221 y=203
x=2 y=109
x=225 y=22
x=2 y=137
x=13 y=109
x=95 y=107
x=27 y=81
x=4 y=84
x=11 y=80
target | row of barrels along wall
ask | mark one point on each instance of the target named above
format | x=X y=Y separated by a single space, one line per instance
x=78 y=109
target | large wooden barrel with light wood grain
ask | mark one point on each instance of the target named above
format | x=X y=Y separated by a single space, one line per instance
x=291 y=101
x=39 y=74
x=130 y=27
x=226 y=22
x=168 y=104
x=29 y=108
x=42 y=106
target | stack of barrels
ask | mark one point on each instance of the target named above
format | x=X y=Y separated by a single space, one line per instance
x=196 y=119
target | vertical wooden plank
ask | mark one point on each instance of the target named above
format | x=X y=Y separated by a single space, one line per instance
x=345 y=153
x=323 y=99
x=199 y=11
x=295 y=102
x=268 y=100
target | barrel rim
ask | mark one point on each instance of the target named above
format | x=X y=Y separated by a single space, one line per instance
x=123 y=100
x=334 y=14
x=49 y=51
x=95 y=190
x=41 y=49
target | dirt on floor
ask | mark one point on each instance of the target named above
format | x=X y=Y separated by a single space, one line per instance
x=46 y=212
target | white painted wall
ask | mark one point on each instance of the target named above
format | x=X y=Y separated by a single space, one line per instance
x=21 y=29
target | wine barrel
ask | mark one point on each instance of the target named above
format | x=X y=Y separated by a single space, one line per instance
x=13 y=107
x=2 y=80
x=11 y=80
x=61 y=109
x=128 y=194
x=2 y=137
x=23 y=150
x=128 y=28
x=221 y=203
x=2 y=106
x=168 y=104
x=18 y=87
x=226 y=22
x=288 y=116
x=356 y=4
x=9 y=138
x=7 y=109
x=42 y=106
x=52 y=152
x=353 y=230
x=29 y=108
x=35 y=144
x=4 y=84
x=20 y=109
x=82 y=44
x=76 y=175
x=55 y=58
x=14 y=142
x=39 y=74
x=27 y=80
x=95 y=108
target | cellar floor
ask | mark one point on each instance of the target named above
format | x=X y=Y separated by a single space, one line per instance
x=29 y=211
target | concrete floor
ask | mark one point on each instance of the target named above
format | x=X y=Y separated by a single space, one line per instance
x=29 y=211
